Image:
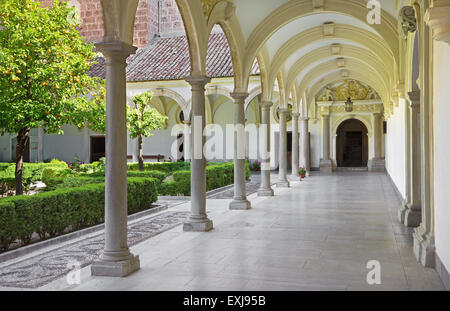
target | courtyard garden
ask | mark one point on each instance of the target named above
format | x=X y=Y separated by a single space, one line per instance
x=60 y=198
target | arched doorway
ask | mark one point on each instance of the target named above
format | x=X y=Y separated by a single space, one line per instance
x=352 y=146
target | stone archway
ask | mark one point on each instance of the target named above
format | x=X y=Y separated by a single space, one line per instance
x=352 y=144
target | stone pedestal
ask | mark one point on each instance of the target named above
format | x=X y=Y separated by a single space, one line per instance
x=424 y=248
x=376 y=165
x=202 y=225
x=115 y=268
x=116 y=259
x=412 y=216
x=326 y=166
x=402 y=211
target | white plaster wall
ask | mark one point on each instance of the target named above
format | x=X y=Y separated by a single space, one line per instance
x=395 y=147
x=441 y=115
x=161 y=141
x=315 y=144
x=63 y=147
x=5 y=148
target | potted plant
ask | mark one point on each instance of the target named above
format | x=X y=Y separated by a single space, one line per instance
x=256 y=166
x=302 y=172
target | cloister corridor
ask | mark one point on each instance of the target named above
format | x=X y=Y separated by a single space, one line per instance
x=317 y=235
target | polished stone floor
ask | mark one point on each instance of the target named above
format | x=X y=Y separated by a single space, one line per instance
x=317 y=235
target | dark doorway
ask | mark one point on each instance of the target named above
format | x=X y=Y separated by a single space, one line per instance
x=97 y=148
x=352 y=148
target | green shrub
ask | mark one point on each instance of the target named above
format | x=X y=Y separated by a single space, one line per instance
x=70 y=182
x=159 y=175
x=67 y=209
x=170 y=188
x=217 y=175
x=167 y=167
x=52 y=172
x=31 y=172
x=149 y=174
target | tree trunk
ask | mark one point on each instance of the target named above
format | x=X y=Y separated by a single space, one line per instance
x=140 y=156
x=22 y=139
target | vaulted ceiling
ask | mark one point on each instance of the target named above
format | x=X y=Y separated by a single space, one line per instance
x=302 y=45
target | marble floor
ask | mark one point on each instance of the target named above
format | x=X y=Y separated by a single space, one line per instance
x=317 y=235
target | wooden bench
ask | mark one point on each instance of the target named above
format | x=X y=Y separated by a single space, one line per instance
x=156 y=157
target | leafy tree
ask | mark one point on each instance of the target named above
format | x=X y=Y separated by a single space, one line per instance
x=142 y=120
x=43 y=71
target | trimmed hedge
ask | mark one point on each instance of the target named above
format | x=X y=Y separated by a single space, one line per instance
x=167 y=167
x=217 y=175
x=53 y=213
x=159 y=175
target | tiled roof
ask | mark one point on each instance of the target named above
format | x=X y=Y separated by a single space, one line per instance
x=168 y=59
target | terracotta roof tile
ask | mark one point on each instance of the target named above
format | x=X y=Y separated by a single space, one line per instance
x=168 y=59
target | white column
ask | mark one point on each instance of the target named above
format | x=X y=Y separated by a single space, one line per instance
x=198 y=220
x=187 y=141
x=377 y=163
x=240 y=201
x=265 y=190
x=404 y=205
x=413 y=209
x=424 y=245
x=282 y=173
x=325 y=162
x=304 y=145
x=295 y=147
x=116 y=259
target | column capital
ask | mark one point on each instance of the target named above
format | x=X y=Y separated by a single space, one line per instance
x=296 y=115
x=198 y=81
x=266 y=104
x=115 y=49
x=239 y=97
x=283 y=111
x=304 y=119
x=437 y=18
x=414 y=98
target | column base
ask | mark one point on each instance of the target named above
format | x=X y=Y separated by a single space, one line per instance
x=240 y=205
x=401 y=212
x=326 y=166
x=198 y=226
x=295 y=178
x=413 y=216
x=283 y=184
x=376 y=165
x=115 y=268
x=424 y=248
x=265 y=192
